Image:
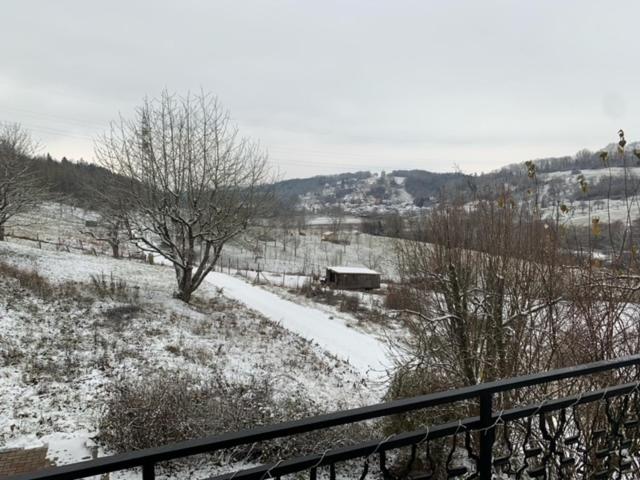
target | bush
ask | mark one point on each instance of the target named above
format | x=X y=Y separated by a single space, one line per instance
x=114 y=288
x=318 y=292
x=34 y=282
x=349 y=303
x=322 y=294
x=401 y=298
x=118 y=315
x=10 y=353
x=174 y=406
x=407 y=383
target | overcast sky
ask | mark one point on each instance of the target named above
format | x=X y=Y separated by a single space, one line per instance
x=334 y=86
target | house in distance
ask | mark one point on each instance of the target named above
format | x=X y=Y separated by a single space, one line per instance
x=352 y=278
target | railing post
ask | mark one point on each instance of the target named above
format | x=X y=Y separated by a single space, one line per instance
x=148 y=471
x=487 y=435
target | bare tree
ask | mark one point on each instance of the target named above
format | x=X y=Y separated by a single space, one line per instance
x=495 y=295
x=112 y=225
x=194 y=183
x=336 y=217
x=476 y=288
x=393 y=225
x=20 y=189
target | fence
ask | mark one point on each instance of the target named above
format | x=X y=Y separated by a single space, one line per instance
x=588 y=434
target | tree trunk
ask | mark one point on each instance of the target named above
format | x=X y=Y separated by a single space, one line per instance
x=185 y=284
x=1 y=233
x=115 y=249
x=184 y=296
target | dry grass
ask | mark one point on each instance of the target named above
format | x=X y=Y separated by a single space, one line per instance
x=401 y=298
x=29 y=279
x=173 y=406
x=114 y=288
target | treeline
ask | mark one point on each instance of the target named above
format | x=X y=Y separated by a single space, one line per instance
x=583 y=160
x=427 y=186
x=75 y=181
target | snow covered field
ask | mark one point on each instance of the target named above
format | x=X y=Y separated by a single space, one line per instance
x=59 y=356
x=364 y=352
x=590 y=175
x=61 y=226
x=612 y=210
x=311 y=254
x=323 y=220
x=605 y=212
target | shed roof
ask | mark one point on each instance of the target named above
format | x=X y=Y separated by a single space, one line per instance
x=357 y=270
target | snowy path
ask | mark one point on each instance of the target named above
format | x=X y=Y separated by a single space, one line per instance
x=361 y=350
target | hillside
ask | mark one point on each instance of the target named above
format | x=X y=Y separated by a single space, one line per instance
x=558 y=180
x=366 y=193
x=69 y=335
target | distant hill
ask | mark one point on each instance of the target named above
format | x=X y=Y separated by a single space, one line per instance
x=557 y=181
x=296 y=187
x=405 y=191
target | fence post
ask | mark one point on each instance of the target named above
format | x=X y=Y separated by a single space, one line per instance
x=487 y=435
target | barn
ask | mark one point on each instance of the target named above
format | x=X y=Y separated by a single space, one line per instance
x=352 y=278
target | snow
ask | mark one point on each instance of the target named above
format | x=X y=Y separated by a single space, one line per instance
x=582 y=213
x=592 y=175
x=364 y=352
x=324 y=220
x=65 y=448
x=357 y=199
x=45 y=405
x=278 y=279
x=355 y=270
x=308 y=254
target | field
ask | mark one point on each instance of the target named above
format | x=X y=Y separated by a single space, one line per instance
x=308 y=254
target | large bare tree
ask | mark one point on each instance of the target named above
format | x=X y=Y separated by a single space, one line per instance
x=20 y=189
x=193 y=182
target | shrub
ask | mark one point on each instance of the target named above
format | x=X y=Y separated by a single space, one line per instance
x=28 y=279
x=10 y=353
x=116 y=316
x=174 y=406
x=114 y=288
x=401 y=298
x=406 y=383
x=318 y=292
x=349 y=303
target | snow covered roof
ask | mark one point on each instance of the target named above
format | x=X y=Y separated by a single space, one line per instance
x=358 y=270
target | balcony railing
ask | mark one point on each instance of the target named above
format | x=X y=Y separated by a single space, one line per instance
x=589 y=433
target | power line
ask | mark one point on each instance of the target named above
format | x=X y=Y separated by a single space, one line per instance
x=57 y=118
x=50 y=131
x=308 y=156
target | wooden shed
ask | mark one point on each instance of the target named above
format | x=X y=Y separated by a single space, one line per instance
x=352 y=278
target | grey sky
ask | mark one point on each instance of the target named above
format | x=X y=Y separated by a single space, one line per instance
x=331 y=86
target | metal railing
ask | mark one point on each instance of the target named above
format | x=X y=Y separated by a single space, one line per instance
x=551 y=438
